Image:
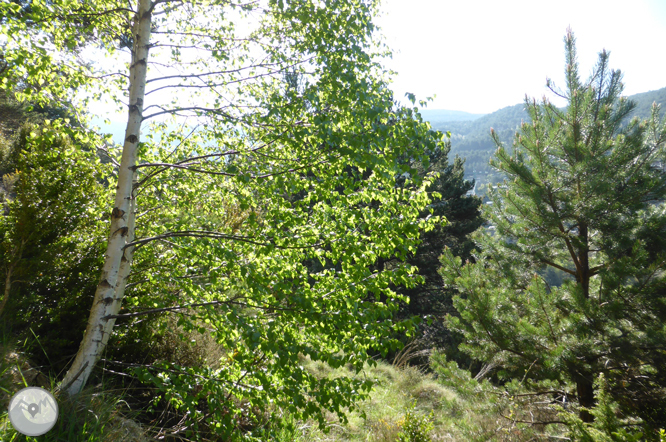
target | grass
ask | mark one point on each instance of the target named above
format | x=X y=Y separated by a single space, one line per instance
x=93 y=416
x=398 y=392
x=453 y=408
x=96 y=414
x=401 y=396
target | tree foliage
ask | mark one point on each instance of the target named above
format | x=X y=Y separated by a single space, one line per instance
x=607 y=426
x=50 y=228
x=583 y=195
x=264 y=177
x=461 y=212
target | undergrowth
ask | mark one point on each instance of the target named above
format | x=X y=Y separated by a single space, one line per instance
x=406 y=405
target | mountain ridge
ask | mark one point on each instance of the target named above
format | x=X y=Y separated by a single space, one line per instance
x=470 y=138
x=445 y=115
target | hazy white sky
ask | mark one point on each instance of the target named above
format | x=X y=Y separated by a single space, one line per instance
x=481 y=55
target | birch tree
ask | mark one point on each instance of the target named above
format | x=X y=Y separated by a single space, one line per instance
x=308 y=167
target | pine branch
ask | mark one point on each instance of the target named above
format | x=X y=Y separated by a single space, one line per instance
x=557 y=266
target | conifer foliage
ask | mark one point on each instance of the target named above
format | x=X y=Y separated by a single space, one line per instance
x=583 y=195
x=462 y=216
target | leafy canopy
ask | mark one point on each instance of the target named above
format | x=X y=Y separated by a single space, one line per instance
x=264 y=176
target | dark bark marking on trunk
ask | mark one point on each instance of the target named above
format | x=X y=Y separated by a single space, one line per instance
x=117 y=213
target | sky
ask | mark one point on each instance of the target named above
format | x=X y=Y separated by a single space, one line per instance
x=479 y=56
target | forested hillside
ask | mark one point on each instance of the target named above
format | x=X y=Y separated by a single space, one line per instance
x=439 y=116
x=471 y=139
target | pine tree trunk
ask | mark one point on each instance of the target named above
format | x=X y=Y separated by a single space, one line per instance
x=584 y=259
x=585 y=392
x=111 y=287
x=584 y=381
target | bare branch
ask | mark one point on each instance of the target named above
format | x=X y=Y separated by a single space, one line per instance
x=157 y=2
x=108 y=155
x=538 y=393
x=208 y=74
x=66 y=17
x=214 y=235
x=532 y=422
x=171 y=370
x=178 y=166
x=161 y=310
x=182 y=109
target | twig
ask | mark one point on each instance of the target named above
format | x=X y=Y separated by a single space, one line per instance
x=532 y=423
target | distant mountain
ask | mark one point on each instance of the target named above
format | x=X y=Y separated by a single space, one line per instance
x=644 y=103
x=442 y=115
x=505 y=118
x=470 y=138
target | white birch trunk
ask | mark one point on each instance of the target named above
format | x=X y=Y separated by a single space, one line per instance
x=111 y=287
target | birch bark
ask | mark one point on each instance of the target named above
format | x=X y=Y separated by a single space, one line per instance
x=117 y=263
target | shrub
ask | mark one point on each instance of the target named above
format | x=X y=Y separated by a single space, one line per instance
x=415 y=426
x=608 y=425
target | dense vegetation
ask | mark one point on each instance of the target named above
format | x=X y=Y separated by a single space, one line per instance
x=430 y=301
x=262 y=267
x=275 y=227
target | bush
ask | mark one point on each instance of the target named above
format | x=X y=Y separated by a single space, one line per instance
x=415 y=427
x=608 y=425
x=51 y=238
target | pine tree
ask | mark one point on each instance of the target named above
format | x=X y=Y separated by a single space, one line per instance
x=582 y=195
x=461 y=215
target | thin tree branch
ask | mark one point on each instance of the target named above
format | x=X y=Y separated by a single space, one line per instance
x=213 y=235
x=557 y=266
x=532 y=422
x=164 y=309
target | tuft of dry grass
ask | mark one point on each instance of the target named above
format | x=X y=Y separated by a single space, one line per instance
x=122 y=429
x=385 y=430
